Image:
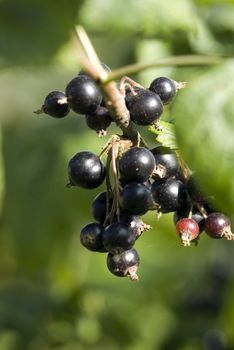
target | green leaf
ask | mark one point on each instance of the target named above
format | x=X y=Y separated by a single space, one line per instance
x=149 y=17
x=166 y=135
x=33 y=31
x=204 y=114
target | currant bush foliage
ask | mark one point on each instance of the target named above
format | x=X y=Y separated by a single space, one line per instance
x=205 y=129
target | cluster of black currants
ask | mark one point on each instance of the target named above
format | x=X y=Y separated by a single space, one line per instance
x=83 y=96
x=137 y=179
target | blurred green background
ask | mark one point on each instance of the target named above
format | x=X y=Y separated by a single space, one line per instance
x=53 y=293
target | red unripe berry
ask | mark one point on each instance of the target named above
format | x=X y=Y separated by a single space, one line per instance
x=188 y=230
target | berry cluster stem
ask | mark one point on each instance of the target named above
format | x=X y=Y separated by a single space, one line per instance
x=114 y=99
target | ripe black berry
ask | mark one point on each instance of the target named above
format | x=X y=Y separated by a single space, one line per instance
x=136 y=198
x=218 y=225
x=99 y=120
x=169 y=195
x=137 y=164
x=188 y=230
x=165 y=88
x=124 y=264
x=55 y=105
x=194 y=191
x=83 y=94
x=167 y=164
x=135 y=222
x=91 y=237
x=145 y=108
x=118 y=237
x=99 y=207
x=86 y=170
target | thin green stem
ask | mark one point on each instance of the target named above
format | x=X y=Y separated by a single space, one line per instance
x=188 y=60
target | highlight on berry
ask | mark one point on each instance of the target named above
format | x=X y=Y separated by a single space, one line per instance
x=137 y=178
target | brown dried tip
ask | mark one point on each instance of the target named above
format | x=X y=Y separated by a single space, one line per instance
x=160 y=170
x=132 y=273
x=180 y=84
x=186 y=238
x=101 y=133
x=227 y=233
x=39 y=111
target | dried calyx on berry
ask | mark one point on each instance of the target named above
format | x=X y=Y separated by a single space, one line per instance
x=124 y=264
x=188 y=230
x=218 y=225
x=137 y=179
x=55 y=105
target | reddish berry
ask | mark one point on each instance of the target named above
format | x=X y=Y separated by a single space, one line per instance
x=218 y=225
x=188 y=230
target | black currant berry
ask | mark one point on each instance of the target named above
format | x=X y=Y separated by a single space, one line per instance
x=137 y=164
x=55 y=105
x=218 y=225
x=145 y=108
x=188 y=230
x=124 y=264
x=91 y=237
x=99 y=207
x=165 y=88
x=99 y=120
x=86 y=170
x=169 y=195
x=83 y=94
x=194 y=191
x=136 y=198
x=137 y=225
x=167 y=164
x=118 y=237
x=130 y=95
x=196 y=216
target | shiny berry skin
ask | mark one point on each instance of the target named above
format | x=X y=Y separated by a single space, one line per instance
x=83 y=94
x=124 y=264
x=118 y=237
x=86 y=170
x=56 y=105
x=167 y=164
x=91 y=237
x=135 y=222
x=137 y=164
x=218 y=225
x=170 y=195
x=136 y=198
x=99 y=120
x=145 y=108
x=196 y=216
x=99 y=207
x=188 y=230
x=165 y=88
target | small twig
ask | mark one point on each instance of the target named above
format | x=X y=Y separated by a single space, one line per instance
x=188 y=60
x=115 y=102
x=202 y=210
x=126 y=81
x=190 y=212
x=184 y=167
x=109 y=192
x=114 y=157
